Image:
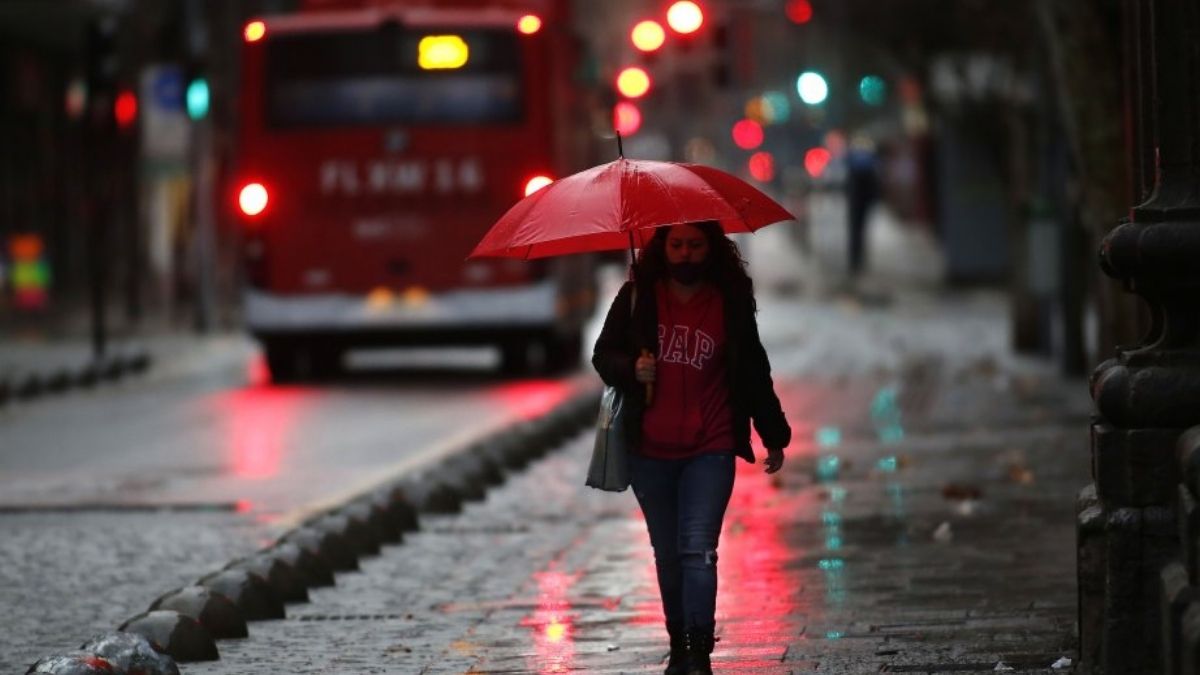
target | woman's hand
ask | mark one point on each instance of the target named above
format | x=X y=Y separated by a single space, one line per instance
x=774 y=460
x=643 y=369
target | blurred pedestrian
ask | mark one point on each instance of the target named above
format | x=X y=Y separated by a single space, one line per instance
x=686 y=327
x=862 y=191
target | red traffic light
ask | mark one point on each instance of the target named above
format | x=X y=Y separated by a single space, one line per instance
x=125 y=109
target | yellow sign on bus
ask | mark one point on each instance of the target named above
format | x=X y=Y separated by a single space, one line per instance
x=442 y=52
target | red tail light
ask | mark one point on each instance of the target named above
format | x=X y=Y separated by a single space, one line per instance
x=252 y=198
x=537 y=183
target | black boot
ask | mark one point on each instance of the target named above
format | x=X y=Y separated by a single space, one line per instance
x=699 y=646
x=677 y=663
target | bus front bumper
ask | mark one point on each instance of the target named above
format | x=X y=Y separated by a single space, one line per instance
x=465 y=316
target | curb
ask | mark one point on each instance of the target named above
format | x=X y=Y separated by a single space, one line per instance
x=26 y=386
x=184 y=624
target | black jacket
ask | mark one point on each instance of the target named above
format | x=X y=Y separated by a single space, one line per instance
x=752 y=393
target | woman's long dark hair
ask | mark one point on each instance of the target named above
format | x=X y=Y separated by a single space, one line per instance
x=725 y=267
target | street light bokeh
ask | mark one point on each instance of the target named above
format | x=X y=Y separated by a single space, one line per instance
x=812 y=88
x=633 y=82
x=627 y=118
x=685 y=17
x=648 y=35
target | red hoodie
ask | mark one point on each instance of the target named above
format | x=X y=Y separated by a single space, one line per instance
x=690 y=414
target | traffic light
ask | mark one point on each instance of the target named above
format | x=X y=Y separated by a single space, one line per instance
x=197 y=98
x=102 y=68
x=30 y=271
x=125 y=110
x=102 y=64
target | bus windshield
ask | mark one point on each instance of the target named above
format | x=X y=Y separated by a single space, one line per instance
x=349 y=78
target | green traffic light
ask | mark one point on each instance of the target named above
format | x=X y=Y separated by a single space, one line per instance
x=872 y=90
x=197 y=98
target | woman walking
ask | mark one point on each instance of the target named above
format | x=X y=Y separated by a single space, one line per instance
x=686 y=328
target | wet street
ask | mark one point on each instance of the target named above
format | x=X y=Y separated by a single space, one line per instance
x=923 y=522
x=110 y=498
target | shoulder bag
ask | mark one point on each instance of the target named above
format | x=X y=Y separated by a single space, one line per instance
x=609 y=469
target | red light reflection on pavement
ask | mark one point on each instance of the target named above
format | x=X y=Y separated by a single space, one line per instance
x=531 y=398
x=259 y=422
x=552 y=623
x=758 y=601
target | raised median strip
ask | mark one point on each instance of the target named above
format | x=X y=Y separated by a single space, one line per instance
x=26 y=382
x=185 y=624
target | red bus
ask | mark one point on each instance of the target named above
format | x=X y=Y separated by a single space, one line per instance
x=378 y=142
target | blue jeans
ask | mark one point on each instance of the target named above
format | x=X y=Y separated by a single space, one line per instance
x=683 y=501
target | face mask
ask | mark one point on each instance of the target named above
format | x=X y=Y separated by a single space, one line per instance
x=686 y=273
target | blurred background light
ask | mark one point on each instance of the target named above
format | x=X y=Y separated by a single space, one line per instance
x=747 y=134
x=812 y=88
x=699 y=150
x=529 y=24
x=648 y=35
x=627 y=119
x=442 y=52
x=685 y=17
x=762 y=166
x=776 y=108
x=799 y=11
x=872 y=90
x=536 y=183
x=197 y=98
x=633 y=82
x=815 y=161
x=125 y=109
x=255 y=31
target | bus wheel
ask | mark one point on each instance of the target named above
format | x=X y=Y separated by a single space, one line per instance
x=324 y=362
x=563 y=352
x=514 y=357
x=281 y=362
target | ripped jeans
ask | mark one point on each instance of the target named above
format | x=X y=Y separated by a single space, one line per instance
x=683 y=501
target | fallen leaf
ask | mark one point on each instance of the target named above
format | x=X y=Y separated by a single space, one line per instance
x=961 y=491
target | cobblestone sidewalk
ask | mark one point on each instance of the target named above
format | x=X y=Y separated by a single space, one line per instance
x=923 y=523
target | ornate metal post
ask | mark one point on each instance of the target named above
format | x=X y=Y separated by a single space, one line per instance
x=1148 y=395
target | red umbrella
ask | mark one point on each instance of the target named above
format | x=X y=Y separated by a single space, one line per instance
x=610 y=206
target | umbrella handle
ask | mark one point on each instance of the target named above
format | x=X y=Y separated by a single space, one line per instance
x=649 y=385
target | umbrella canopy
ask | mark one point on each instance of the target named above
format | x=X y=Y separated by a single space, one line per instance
x=616 y=205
